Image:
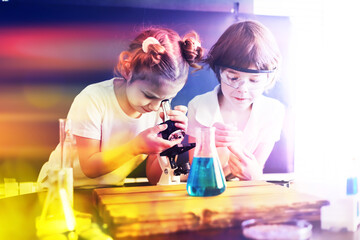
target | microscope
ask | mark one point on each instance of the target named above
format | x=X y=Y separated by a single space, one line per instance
x=171 y=168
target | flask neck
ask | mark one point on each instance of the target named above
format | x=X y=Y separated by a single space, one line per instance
x=205 y=142
x=66 y=140
x=65 y=131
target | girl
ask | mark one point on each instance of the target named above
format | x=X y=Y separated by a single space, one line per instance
x=245 y=61
x=113 y=121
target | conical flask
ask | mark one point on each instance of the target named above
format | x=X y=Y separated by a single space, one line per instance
x=57 y=214
x=206 y=177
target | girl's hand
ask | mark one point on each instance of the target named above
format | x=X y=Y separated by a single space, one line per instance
x=226 y=135
x=150 y=142
x=178 y=115
x=244 y=165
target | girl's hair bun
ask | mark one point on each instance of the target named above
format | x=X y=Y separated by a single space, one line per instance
x=154 y=50
x=192 y=50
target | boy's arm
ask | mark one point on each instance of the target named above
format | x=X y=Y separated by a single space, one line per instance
x=249 y=166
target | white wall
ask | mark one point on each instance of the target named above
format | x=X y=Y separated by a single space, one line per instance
x=326 y=68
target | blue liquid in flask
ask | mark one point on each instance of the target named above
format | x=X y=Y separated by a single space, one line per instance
x=205 y=178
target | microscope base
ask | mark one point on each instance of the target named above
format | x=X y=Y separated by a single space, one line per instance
x=168 y=177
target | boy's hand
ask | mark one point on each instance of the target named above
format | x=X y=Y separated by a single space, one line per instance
x=244 y=165
x=226 y=135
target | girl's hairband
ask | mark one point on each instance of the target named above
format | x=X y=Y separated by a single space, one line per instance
x=147 y=42
x=246 y=70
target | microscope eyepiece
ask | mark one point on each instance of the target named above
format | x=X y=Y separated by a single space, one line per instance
x=172 y=132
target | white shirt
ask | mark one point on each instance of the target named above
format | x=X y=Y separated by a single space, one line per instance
x=96 y=114
x=264 y=124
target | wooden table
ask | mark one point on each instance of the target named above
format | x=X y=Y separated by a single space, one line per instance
x=151 y=210
x=18 y=214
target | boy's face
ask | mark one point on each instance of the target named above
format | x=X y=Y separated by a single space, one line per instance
x=146 y=95
x=241 y=88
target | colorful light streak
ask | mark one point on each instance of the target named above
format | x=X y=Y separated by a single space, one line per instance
x=79 y=47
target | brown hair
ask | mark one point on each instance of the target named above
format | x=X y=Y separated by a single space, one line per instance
x=170 y=59
x=244 y=44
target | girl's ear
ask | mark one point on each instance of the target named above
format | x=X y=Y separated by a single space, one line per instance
x=124 y=65
x=126 y=70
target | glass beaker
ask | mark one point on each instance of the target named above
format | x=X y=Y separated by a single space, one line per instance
x=206 y=177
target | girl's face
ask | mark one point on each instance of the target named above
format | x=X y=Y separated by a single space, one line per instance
x=241 y=88
x=146 y=95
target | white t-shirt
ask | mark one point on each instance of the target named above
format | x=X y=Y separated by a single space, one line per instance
x=264 y=124
x=96 y=113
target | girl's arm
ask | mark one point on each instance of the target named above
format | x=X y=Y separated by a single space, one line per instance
x=153 y=169
x=95 y=163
